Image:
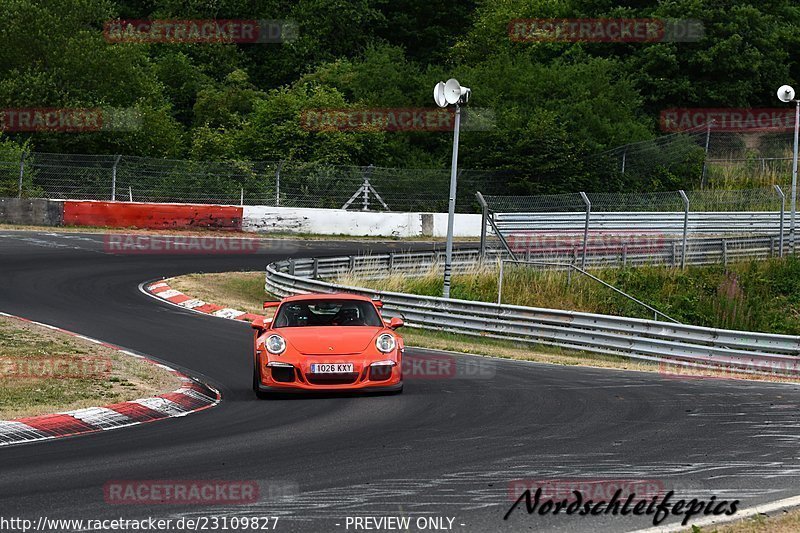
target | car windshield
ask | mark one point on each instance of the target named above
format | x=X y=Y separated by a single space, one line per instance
x=327 y=313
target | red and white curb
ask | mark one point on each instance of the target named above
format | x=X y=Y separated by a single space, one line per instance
x=192 y=397
x=163 y=291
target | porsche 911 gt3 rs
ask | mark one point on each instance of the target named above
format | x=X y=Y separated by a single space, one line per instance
x=327 y=342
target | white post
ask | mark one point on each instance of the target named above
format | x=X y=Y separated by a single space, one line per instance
x=451 y=212
x=794 y=176
x=114 y=179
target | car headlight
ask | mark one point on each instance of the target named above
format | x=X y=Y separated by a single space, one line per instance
x=275 y=344
x=386 y=343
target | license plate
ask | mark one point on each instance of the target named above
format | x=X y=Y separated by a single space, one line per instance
x=331 y=368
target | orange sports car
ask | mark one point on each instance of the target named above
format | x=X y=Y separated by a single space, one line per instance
x=327 y=342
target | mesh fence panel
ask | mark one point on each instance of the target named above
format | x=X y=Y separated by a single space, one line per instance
x=288 y=184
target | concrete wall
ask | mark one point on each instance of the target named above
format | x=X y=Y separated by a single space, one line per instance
x=152 y=215
x=31 y=211
x=260 y=219
x=264 y=219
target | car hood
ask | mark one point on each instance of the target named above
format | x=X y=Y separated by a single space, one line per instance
x=342 y=340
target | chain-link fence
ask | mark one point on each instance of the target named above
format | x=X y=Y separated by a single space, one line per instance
x=287 y=184
x=698 y=159
x=710 y=158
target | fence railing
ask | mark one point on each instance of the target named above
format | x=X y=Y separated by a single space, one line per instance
x=271 y=183
x=635 y=229
x=650 y=340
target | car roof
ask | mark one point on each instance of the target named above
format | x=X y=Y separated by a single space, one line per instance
x=335 y=296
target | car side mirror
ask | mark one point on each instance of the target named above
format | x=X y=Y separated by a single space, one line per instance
x=396 y=322
x=261 y=323
x=269 y=305
x=378 y=304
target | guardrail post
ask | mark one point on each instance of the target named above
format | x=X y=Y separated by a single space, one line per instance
x=624 y=254
x=278 y=184
x=114 y=179
x=315 y=271
x=586 y=227
x=291 y=267
x=783 y=210
x=484 y=222
x=500 y=283
x=705 y=158
x=685 y=226
x=391 y=262
x=352 y=264
x=21 y=172
x=724 y=253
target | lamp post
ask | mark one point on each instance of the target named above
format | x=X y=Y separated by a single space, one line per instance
x=786 y=94
x=445 y=94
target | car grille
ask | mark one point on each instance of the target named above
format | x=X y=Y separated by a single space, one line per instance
x=282 y=375
x=332 y=379
x=380 y=373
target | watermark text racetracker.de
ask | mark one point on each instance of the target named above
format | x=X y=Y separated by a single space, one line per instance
x=560 y=242
x=132 y=244
x=615 y=497
x=728 y=119
x=116 y=525
x=198 y=31
x=605 y=30
x=395 y=119
x=445 y=366
x=787 y=370
x=69 y=119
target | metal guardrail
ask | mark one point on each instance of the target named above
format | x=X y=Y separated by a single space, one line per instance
x=643 y=226
x=667 y=222
x=613 y=251
x=685 y=345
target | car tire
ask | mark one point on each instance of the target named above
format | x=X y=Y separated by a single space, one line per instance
x=261 y=395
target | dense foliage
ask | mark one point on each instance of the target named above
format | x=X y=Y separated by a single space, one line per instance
x=554 y=104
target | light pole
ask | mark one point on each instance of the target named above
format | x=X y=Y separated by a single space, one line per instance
x=786 y=94
x=444 y=94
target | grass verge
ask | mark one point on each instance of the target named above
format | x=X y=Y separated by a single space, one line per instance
x=785 y=522
x=44 y=371
x=752 y=296
x=245 y=291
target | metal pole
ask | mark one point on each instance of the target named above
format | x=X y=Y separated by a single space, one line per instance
x=278 y=185
x=705 y=159
x=130 y=193
x=114 y=179
x=500 y=283
x=21 y=172
x=451 y=212
x=484 y=216
x=624 y=157
x=586 y=227
x=794 y=177
x=685 y=225
x=241 y=197
x=783 y=209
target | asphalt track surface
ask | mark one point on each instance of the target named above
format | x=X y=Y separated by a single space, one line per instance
x=445 y=447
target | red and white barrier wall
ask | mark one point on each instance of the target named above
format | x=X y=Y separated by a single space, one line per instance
x=152 y=215
x=260 y=219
